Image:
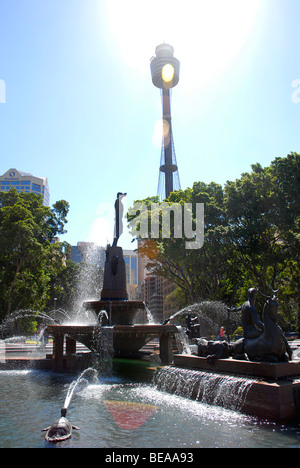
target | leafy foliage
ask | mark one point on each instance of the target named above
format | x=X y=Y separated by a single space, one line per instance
x=251 y=237
x=28 y=255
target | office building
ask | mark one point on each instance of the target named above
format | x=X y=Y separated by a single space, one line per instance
x=88 y=252
x=131 y=264
x=25 y=182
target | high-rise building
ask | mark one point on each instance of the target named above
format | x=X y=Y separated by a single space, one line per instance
x=88 y=252
x=131 y=265
x=165 y=75
x=153 y=296
x=25 y=182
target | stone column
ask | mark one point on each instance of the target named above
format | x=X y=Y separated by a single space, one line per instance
x=70 y=345
x=58 y=352
x=165 y=348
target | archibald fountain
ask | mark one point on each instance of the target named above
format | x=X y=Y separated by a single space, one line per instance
x=263 y=358
x=115 y=312
x=258 y=366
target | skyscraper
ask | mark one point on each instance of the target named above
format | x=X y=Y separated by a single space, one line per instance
x=25 y=182
x=165 y=75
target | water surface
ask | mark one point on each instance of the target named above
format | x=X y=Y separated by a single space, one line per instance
x=31 y=400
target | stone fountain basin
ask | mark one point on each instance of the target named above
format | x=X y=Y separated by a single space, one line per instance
x=127 y=339
x=274 y=393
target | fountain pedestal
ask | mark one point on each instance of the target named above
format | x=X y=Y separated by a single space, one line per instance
x=114 y=282
x=114 y=297
x=127 y=340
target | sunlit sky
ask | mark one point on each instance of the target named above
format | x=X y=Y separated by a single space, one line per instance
x=80 y=107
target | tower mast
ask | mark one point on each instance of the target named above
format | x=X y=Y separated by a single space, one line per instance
x=165 y=75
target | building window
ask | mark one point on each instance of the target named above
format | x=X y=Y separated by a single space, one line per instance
x=36 y=188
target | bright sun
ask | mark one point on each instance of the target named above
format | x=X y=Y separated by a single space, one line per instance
x=206 y=35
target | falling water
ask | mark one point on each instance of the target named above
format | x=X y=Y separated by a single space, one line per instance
x=39 y=337
x=182 y=341
x=89 y=284
x=215 y=389
x=105 y=343
x=150 y=317
x=103 y=346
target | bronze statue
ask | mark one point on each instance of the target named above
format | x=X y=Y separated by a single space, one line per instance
x=252 y=326
x=271 y=345
x=118 y=217
x=262 y=341
x=114 y=281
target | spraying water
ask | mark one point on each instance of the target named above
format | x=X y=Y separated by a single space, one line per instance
x=89 y=373
x=211 y=316
x=60 y=312
x=7 y=326
x=89 y=283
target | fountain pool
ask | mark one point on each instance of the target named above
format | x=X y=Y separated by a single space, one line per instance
x=31 y=400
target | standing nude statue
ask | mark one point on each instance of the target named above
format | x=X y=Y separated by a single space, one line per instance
x=118 y=217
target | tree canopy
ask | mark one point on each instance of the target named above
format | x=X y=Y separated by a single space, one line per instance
x=29 y=254
x=251 y=237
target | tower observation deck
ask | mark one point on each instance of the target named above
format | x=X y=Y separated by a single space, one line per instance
x=165 y=75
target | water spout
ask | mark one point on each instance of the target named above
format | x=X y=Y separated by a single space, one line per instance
x=60 y=311
x=21 y=314
x=102 y=314
x=211 y=316
x=81 y=379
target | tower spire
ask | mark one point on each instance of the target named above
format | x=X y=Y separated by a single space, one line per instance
x=165 y=75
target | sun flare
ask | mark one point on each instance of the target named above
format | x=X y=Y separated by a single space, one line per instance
x=206 y=36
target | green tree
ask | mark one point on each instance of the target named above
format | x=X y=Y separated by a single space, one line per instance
x=198 y=273
x=27 y=254
x=251 y=229
x=251 y=237
x=63 y=286
x=286 y=179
